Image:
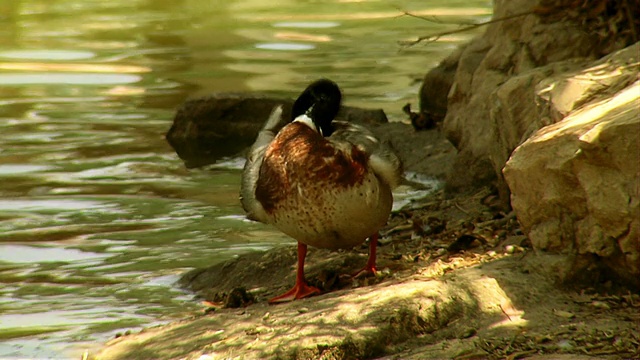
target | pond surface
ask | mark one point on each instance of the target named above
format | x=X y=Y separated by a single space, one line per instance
x=98 y=216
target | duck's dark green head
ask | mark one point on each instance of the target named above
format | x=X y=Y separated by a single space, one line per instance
x=321 y=102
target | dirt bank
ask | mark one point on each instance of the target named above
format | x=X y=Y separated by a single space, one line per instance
x=457 y=280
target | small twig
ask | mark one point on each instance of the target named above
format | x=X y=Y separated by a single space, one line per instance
x=497 y=222
x=460 y=208
x=432 y=18
x=399 y=228
x=632 y=24
x=425 y=205
x=436 y=36
x=508 y=317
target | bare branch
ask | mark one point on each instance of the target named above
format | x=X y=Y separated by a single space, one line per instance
x=432 y=18
x=429 y=19
x=438 y=35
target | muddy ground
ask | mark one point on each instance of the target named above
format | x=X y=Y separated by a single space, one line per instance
x=457 y=279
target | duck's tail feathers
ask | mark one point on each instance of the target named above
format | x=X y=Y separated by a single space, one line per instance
x=387 y=166
x=275 y=121
x=254 y=160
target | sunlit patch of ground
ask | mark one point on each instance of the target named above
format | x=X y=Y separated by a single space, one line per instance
x=457 y=279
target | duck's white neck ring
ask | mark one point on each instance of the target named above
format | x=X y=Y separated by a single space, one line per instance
x=305 y=119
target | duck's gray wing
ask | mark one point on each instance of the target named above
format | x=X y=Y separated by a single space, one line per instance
x=254 y=160
x=382 y=159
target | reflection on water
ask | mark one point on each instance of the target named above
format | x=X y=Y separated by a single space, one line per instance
x=53 y=205
x=98 y=217
x=62 y=78
x=38 y=254
x=285 y=46
x=46 y=54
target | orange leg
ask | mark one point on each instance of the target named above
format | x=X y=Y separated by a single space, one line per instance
x=301 y=289
x=370 y=268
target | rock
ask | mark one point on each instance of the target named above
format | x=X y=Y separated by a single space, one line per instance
x=436 y=85
x=424 y=152
x=574 y=185
x=556 y=90
x=209 y=128
x=580 y=83
x=575 y=189
x=362 y=323
x=493 y=92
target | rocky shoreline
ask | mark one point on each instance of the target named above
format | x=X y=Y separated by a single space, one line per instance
x=532 y=250
x=458 y=280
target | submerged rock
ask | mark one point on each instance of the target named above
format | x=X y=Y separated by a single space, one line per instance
x=209 y=128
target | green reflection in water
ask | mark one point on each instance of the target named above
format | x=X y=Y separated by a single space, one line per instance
x=19 y=332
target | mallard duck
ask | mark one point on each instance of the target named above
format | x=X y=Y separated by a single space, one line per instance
x=325 y=183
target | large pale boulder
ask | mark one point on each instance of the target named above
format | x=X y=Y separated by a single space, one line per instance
x=539 y=70
x=575 y=186
x=493 y=81
x=545 y=95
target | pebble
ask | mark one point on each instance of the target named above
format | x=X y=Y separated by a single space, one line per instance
x=600 y=305
x=564 y=314
x=467 y=333
x=565 y=345
x=206 y=357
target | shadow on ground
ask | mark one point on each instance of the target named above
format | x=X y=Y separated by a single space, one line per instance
x=488 y=299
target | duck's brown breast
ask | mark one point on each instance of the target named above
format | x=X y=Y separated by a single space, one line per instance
x=298 y=156
x=321 y=193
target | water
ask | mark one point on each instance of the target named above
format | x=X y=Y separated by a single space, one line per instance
x=98 y=216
